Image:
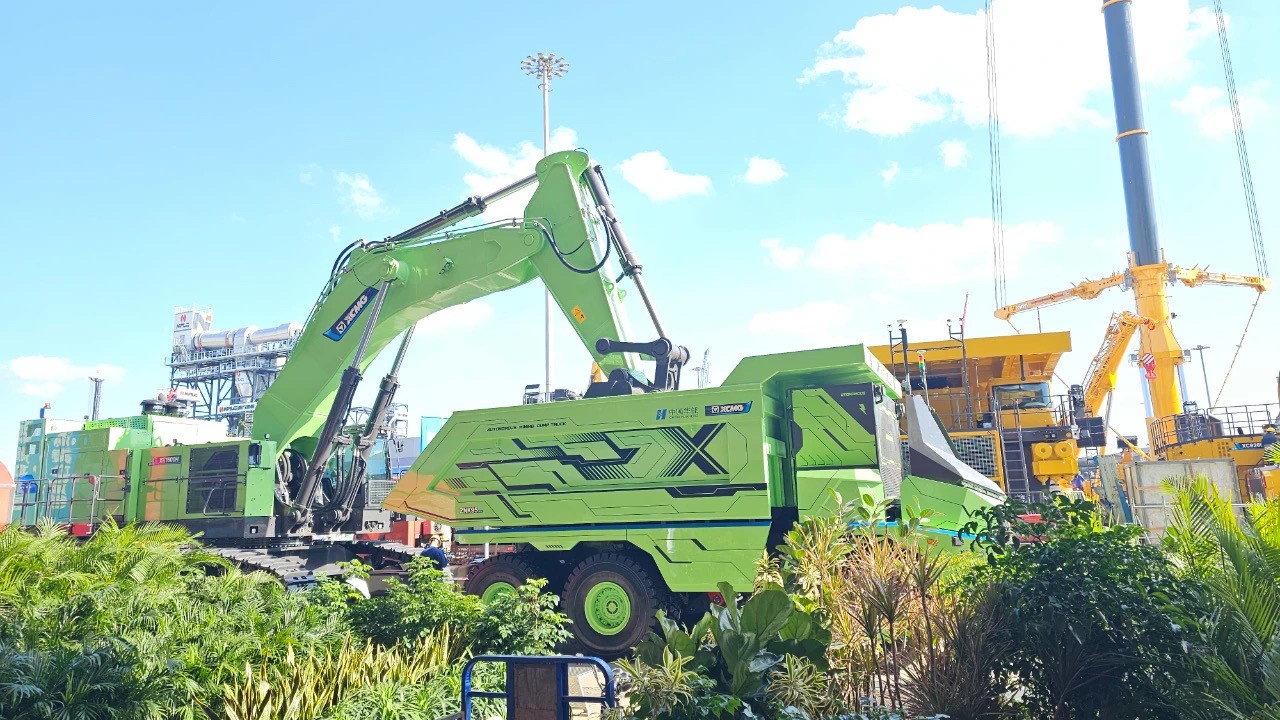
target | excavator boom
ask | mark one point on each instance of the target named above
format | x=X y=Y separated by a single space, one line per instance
x=379 y=290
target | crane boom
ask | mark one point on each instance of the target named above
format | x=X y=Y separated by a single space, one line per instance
x=1086 y=290
x=1195 y=277
x=1100 y=379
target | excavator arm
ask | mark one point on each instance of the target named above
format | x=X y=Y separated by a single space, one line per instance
x=379 y=291
x=1100 y=379
x=1086 y=290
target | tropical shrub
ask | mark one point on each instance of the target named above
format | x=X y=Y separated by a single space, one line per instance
x=1088 y=615
x=140 y=622
x=356 y=680
x=1231 y=559
x=899 y=635
x=139 y=617
x=523 y=623
x=960 y=675
x=90 y=681
x=766 y=657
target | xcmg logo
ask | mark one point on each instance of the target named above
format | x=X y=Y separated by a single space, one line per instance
x=731 y=409
x=339 y=328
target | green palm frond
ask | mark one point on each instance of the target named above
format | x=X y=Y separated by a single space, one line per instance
x=1235 y=556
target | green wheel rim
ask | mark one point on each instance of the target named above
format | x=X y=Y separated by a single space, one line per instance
x=608 y=608
x=496 y=590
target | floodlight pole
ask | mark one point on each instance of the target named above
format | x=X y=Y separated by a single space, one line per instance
x=544 y=66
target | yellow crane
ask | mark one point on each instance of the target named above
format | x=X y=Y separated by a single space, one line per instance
x=1159 y=348
x=1148 y=273
x=1100 y=379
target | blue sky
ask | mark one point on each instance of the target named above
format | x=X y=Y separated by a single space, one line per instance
x=157 y=155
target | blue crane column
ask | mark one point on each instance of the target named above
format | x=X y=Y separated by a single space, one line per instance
x=1131 y=133
x=1148 y=273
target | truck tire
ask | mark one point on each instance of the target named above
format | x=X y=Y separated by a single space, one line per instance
x=497 y=575
x=612 y=602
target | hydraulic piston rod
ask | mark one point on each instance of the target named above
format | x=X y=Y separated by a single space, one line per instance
x=330 y=434
x=631 y=267
x=468 y=208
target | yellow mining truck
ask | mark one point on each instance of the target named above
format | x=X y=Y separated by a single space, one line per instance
x=992 y=394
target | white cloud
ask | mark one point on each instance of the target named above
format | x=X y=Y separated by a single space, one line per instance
x=457 y=317
x=957 y=253
x=308 y=174
x=358 y=194
x=954 y=153
x=816 y=324
x=335 y=232
x=1208 y=107
x=651 y=173
x=496 y=168
x=780 y=255
x=45 y=377
x=238 y=218
x=889 y=173
x=762 y=171
x=921 y=66
x=829 y=323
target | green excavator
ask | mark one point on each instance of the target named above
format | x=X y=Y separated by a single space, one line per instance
x=636 y=496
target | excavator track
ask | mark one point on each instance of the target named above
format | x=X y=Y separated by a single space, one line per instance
x=300 y=566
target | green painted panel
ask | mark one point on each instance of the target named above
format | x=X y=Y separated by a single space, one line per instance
x=698 y=454
x=845 y=365
x=952 y=504
x=835 y=427
x=815 y=488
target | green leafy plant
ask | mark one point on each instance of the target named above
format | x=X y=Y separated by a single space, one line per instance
x=525 y=622
x=416 y=608
x=1089 y=617
x=876 y=588
x=175 y=620
x=798 y=689
x=315 y=684
x=961 y=676
x=1231 y=560
x=87 y=682
x=1271 y=456
x=737 y=648
x=1001 y=529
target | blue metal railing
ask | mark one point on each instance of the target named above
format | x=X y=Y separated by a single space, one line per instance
x=563 y=699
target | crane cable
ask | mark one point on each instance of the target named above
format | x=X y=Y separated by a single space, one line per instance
x=1246 y=174
x=1235 y=356
x=993 y=149
x=1246 y=178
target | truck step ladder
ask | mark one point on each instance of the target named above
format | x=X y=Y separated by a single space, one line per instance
x=1017 y=480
